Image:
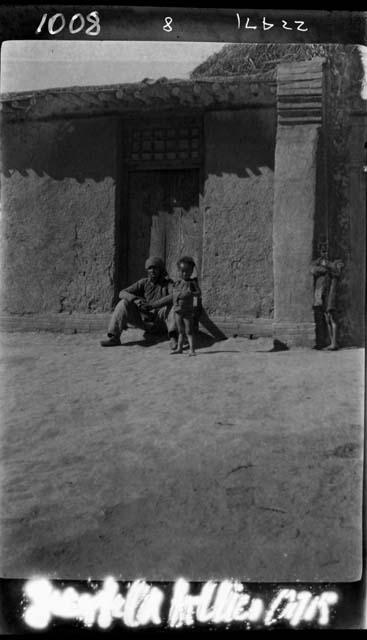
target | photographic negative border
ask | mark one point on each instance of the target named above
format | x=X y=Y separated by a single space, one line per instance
x=194 y=24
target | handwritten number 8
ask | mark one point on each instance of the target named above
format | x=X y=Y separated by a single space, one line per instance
x=93 y=18
x=167 y=27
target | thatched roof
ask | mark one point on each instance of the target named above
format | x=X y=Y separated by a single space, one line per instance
x=246 y=59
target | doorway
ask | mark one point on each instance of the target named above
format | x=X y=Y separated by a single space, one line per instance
x=164 y=219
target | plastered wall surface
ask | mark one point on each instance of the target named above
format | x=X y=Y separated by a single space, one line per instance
x=58 y=190
x=237 y=275
x=295 y=194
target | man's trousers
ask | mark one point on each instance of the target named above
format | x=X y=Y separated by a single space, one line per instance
x=127 y=313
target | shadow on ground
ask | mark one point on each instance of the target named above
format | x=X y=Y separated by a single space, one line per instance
x=203 y=340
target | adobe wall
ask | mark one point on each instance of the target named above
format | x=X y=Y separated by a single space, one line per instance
x=58 y=190
x=237 y=272
x=346 y=134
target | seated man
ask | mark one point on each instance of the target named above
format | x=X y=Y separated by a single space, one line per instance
x=130 y=310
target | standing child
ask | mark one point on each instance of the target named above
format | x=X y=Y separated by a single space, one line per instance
x=185 y=290
x=326 y=274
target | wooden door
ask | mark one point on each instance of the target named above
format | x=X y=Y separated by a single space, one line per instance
x=164 y=219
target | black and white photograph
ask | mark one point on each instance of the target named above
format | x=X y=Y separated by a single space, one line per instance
x=182 y=310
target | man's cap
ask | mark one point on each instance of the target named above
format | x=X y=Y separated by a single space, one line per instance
x=155 y=262
x=186 y=260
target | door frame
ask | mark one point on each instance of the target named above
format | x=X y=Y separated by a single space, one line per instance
x=125 y=166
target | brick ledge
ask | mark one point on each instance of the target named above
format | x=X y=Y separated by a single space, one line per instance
x=85 y=322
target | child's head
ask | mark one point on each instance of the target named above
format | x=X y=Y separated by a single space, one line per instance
x=186 y=266
x=323 y=249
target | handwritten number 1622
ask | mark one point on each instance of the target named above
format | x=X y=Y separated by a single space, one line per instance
x=57 y=22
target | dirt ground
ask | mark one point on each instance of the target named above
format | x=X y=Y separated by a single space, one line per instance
x=130 y=462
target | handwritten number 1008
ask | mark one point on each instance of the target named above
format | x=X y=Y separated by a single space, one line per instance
x=57 y=23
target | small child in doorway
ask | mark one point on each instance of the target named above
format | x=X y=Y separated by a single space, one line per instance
x=185 y=290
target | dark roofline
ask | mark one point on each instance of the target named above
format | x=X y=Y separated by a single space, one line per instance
x=230 y=92
x=266 y=77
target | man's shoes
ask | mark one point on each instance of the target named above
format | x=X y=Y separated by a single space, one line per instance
x=173 y=344
x=150 y=338
x=111 y=342
x=150 y=328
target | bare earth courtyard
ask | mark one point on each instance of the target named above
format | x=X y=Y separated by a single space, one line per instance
x=130 y=462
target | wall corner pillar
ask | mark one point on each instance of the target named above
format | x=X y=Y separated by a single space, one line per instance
x=300 y=118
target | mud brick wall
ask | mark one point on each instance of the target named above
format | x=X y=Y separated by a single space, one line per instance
x=237 y=273
x=346 y=205
x=58 y=196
